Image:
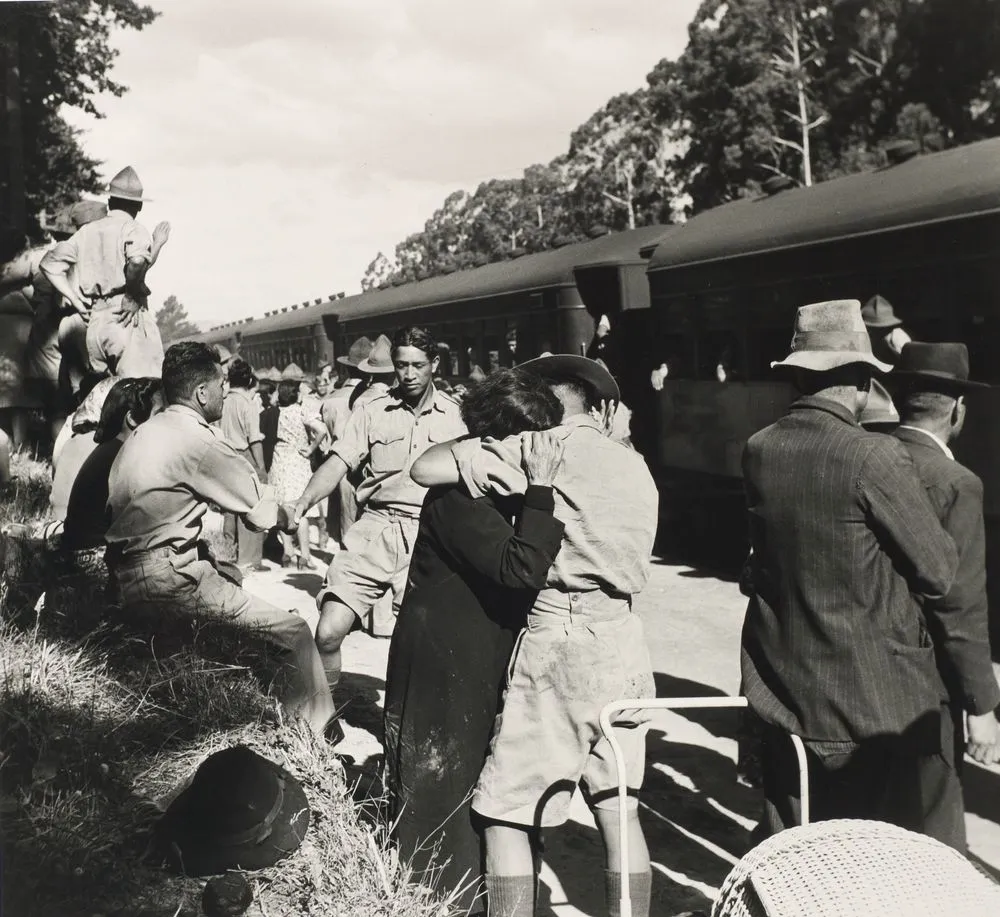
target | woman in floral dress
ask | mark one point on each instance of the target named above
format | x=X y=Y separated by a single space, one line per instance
x=298 y=437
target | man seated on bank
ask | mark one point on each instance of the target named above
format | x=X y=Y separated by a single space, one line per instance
x=382 y=438
x=165 y=478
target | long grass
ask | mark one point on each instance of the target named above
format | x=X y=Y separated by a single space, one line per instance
x=103 y=719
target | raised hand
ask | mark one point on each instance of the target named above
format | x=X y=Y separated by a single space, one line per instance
x=541 y=456
x=161 y=233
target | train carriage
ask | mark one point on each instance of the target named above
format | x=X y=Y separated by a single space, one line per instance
x=724 y=287
x=544 y=298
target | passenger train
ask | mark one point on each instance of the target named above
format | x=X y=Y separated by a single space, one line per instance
x=714 y=300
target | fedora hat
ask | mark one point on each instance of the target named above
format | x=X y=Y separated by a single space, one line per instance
x=379 y=361
x=877 y=313
x=293 y=373
x=240 y=811
x=126 y=185
x=828 y=335
x=937 y=367
x=358 y=351
x=569 y=366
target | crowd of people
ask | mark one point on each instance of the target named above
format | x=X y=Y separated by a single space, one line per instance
x=511 y=528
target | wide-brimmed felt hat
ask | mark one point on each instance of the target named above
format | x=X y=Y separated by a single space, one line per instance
x=828 y=335
x=240 y=811
x=292 y=373
x=271 y=374
x=126 y=185
x=570 y=366
x=358 y=351
x=878 y=313
x=379 y=360
x=937 y=367
x=225 y=354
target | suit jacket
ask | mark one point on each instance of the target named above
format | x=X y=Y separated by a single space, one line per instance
x=834 y=647
x=959 y=622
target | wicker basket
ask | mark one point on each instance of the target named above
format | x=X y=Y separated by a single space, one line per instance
x=855 y=868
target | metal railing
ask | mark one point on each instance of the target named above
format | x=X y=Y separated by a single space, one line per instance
x=673 y=703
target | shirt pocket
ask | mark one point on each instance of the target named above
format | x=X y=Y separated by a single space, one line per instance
x=388 y=451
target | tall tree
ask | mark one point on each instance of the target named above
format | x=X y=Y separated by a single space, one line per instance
x=65 y=58
x=173 y=322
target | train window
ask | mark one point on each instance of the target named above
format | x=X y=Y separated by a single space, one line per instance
x=721 y=356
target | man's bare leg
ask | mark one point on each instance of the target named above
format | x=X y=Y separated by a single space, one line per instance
x=336 y=620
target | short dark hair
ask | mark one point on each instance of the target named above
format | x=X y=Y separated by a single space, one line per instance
x=265 y=388
x=186 y=366
x=510 y=401
x=288 y=392
x=127 y=396
x=240 y=373
x=411 y=336
x=850 y=375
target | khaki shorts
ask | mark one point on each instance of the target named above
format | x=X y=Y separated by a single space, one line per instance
x=548 y=739
x=375 y=560
x=132 y=351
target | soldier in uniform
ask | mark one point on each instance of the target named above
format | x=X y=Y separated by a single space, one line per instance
x=382 y=438
x=165 y=478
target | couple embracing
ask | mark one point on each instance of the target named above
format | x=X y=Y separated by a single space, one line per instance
x=516 y=629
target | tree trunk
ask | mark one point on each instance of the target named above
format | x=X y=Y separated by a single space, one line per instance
x=803 y=108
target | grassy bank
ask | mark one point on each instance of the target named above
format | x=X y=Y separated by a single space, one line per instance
x=102 y=719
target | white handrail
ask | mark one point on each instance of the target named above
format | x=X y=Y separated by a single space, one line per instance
x=673 y=703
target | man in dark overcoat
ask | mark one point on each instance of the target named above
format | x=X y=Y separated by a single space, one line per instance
x=931 y=382
x=833 y=646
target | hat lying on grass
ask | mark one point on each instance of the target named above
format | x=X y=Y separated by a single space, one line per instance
x=241 y=811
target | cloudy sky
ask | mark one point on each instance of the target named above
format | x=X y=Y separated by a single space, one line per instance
x=289 y=141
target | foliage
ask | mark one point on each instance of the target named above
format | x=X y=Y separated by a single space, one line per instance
x=173 y=322
x=66 y=58
x=808 y=89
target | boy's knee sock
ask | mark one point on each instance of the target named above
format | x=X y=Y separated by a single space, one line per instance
x=639 y=884
x=510 y=896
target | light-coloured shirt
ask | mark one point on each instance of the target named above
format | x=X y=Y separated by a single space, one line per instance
x=94 y=257
x=336 y=410
x=240 y=424
x=384 y=436
x=71 y=458
x=942 y=445
x=168 y=473
x=604 y=496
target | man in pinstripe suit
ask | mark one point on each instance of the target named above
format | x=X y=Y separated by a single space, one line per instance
x=834 y=648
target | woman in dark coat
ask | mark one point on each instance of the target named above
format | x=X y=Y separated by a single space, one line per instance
x=473 y=578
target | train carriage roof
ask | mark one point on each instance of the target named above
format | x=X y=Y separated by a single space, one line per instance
x=543 y=270
x=956 y=183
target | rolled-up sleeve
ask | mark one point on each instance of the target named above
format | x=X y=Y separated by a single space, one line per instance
x=137 y=243
x=485 y=468
x=352 y=448
x=250 y=421
x=899 y=506
x=60 y=258
x=225 y=478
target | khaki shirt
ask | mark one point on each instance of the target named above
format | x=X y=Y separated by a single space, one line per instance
x=604 y=496
x=94 y=257
x=383 y=437
x=168 y=473
x=240 y=424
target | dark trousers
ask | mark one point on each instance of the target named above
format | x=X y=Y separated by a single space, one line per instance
x=881 y=779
